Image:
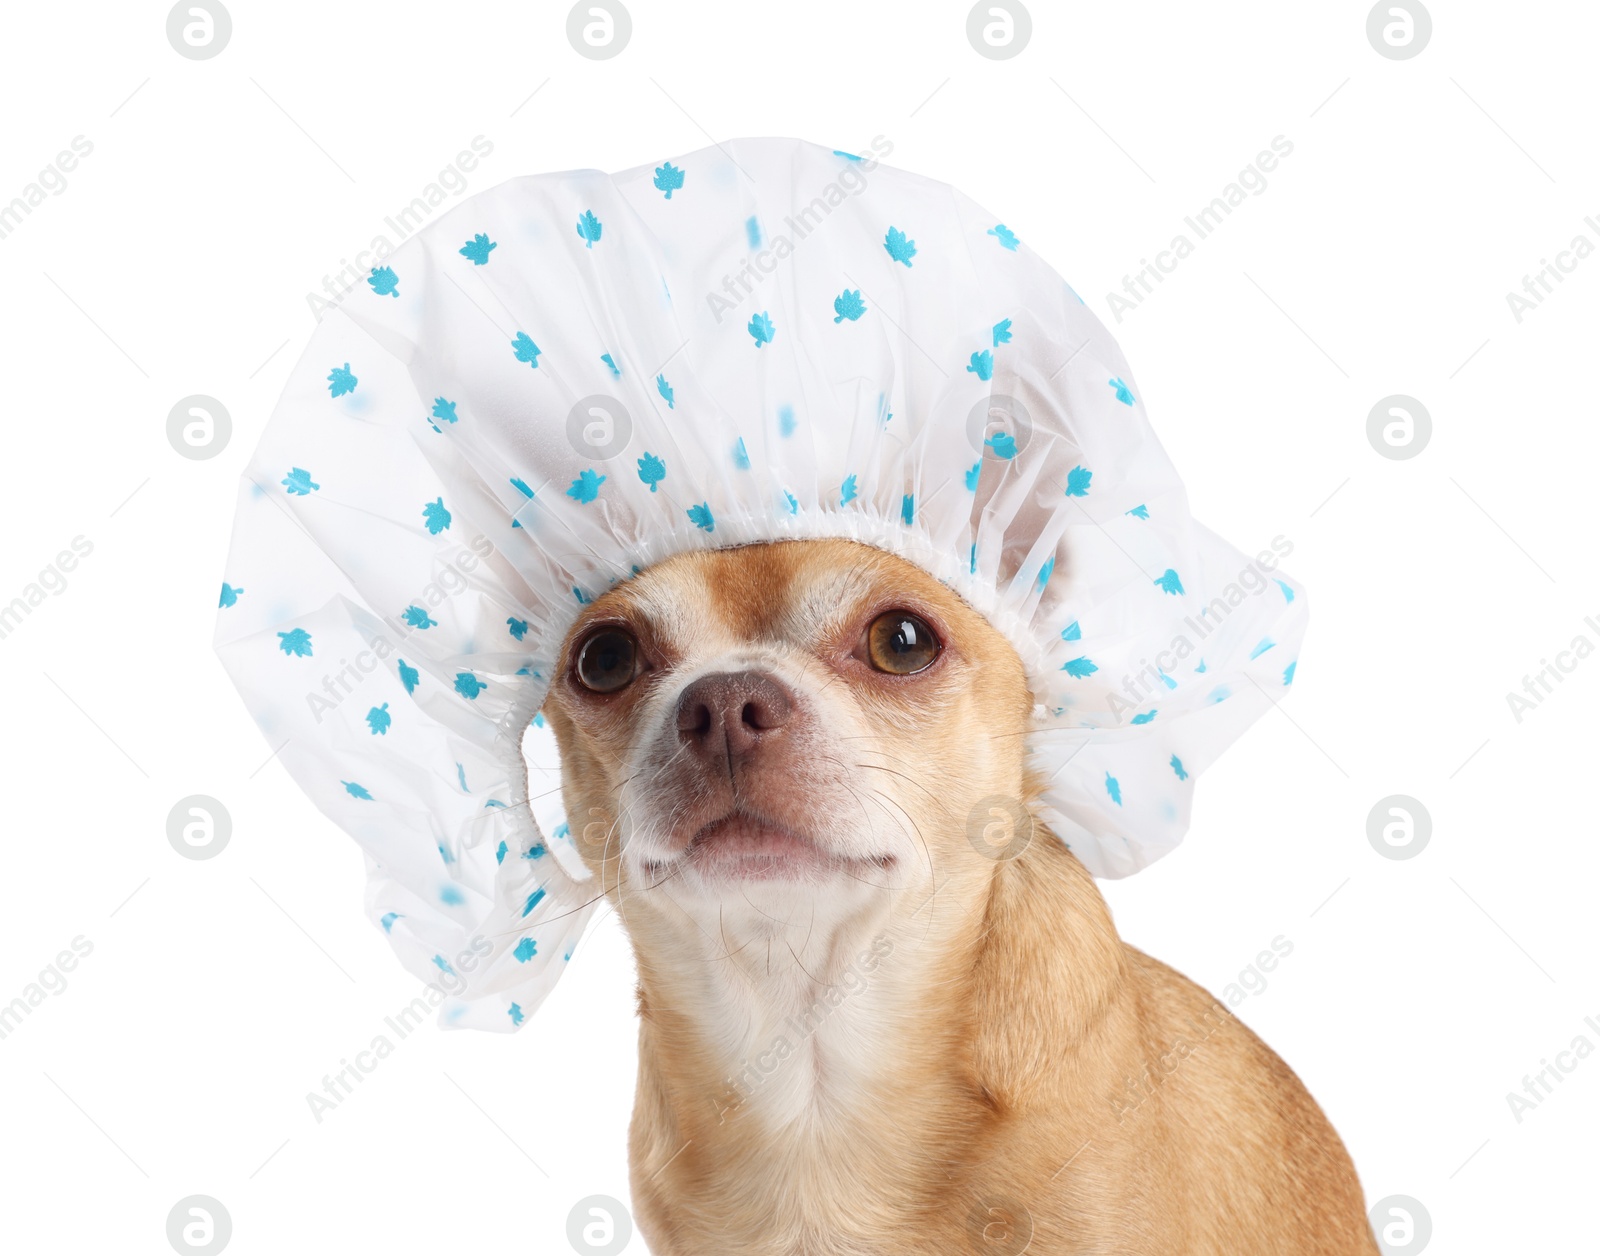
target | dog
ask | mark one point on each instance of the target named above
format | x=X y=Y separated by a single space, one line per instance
x=870 y=1024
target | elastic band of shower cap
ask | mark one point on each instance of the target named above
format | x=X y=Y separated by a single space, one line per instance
x=570 y=377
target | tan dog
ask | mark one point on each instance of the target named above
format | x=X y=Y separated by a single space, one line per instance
x=861 y=1030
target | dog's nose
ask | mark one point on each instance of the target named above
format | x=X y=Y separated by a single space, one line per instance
x=726 y=715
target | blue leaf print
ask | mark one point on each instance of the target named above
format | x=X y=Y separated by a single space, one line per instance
x=500 y=853
x=1004 y=234
x=388 y=919
x=416 y=617
x=451 y=897
x=741 y=455
x=1004 y=445
x=1123 y=395
x=518 y=628
x=760 y=329
x=752 y=232
x=1046 y=570
x=521 y=487
x=972 y=559
x=298 y=483
x=668 y=179
x=1114 y=789
x=515 y=1013
x=436 y=516
x=1002 y=332
x=700 y=516
x=1166 y=680
x=1288 y=672
x=665 y=389
x=230 y=595
x=526 y=350
x=1078 y=667
x=847 y=490
x=469 y=686
x=534 y=900
x=384 y=282
x=1201 y=668
x=356 y=791
x=1138 y=512
x=1169 y=582
x=583 y=598
x=1219 y=694
x=652 y=470
x=1078 y=481
x=849 y=305
x=535 y=851
x=1143 y=719
x=1177 y=766
x=907 y=509
x=1072 y=632
x=1288 y=593
x=982 y=364
x=898 y=247
x=477 y=249
x=587 y=486
x=445 y=410
x=616 y=371
x=794 y=502
x=528 y=948
x=786 y=421
x=296 y=643
x=588 y=228
x=973 y=472
x=1262 y=646
x=340 y=381
x=408 y=675
x=378 y=720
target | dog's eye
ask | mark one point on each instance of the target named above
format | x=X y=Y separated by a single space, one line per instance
x=606 y=662
x=900 y=644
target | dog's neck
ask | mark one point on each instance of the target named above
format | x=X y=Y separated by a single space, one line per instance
x=786 y=1048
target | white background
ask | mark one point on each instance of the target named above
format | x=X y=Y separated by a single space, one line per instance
x=220 y=192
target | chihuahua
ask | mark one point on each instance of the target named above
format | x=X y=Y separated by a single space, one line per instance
x=882 y=1009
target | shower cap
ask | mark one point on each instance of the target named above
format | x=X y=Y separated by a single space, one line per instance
x=572 y=376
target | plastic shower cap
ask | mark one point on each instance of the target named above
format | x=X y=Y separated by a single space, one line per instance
x=572 y=376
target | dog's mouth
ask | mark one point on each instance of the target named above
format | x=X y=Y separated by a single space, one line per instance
x=741 y=846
